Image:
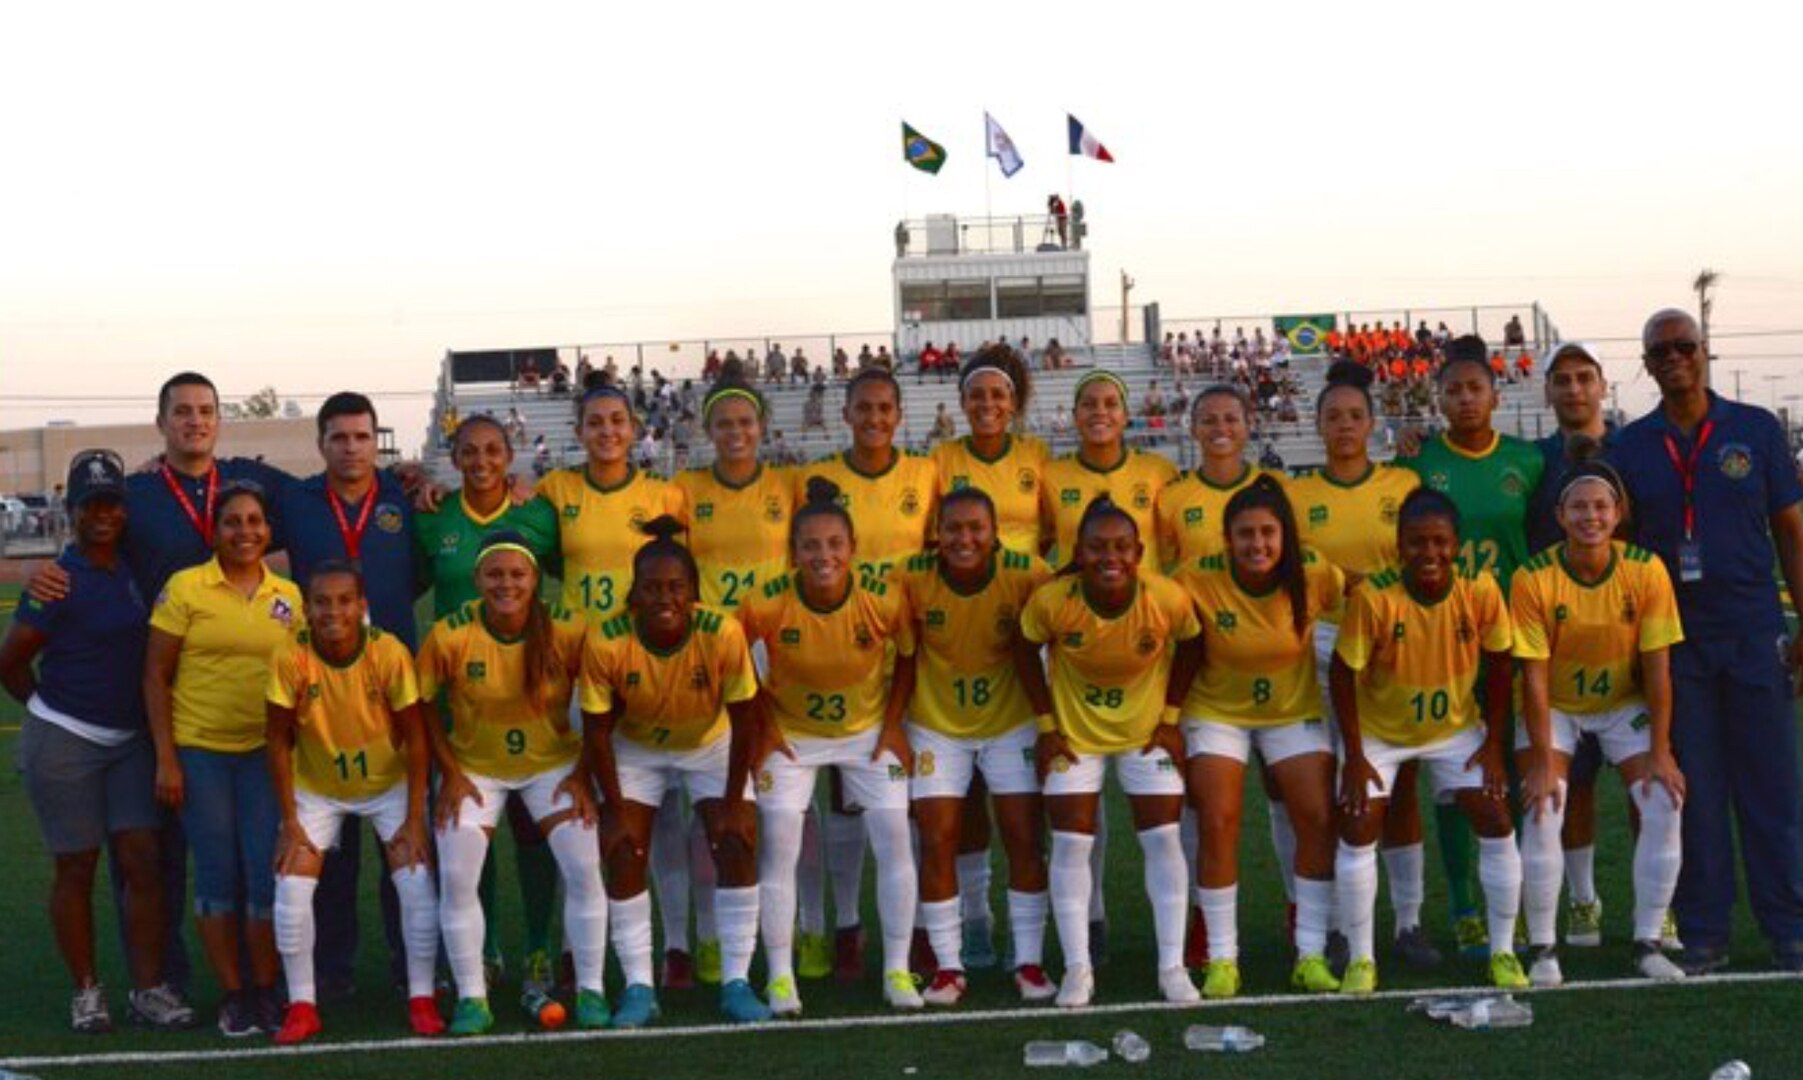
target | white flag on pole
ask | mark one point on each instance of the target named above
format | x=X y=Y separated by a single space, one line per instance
x=1001 y=147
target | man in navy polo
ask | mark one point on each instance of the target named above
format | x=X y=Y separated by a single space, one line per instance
x=1715 y=495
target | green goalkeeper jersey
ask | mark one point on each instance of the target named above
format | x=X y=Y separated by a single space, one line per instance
x=447 y=540
x=1493 y=490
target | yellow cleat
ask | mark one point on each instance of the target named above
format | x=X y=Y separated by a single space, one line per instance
x=1360 y=977
x=1221 y=979
x=1311 y=975
x=1506 y=973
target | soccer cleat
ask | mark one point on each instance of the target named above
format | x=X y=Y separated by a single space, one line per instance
x=784 y=1000
x=538 y=975
x=1098 y=942
x=637 y=1007
x=707 y=963
x=88 y=1013
x=422 y=1016
x=1584 y=924
x=1416 y=950
x=922 y=960
x=1174 y=984
x=740 y=1004
x=1651 y=962
x=899 y=990
x=947 y=988
x=1195 y=941
x=1312 y=975
x=679 y=970
x=299 y=1024
x=161 y=1008
x=1034 y=986
x=1222 y=980
x=813 y=956
x=1360 y=978
x=1668 y=933
x=1339 y=951
x=848 y=954
x=1506 y=973
x=268 y=1006
x=1473 y=938
x=592 y=1012
x=1545 y=972
x=238 y=1015
x=1078 y=987
x=979 y=945
x=471 y=1017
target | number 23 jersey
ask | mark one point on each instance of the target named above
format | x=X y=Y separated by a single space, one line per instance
x=826 y=677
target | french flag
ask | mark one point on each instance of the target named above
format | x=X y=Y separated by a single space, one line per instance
x=1085 y=143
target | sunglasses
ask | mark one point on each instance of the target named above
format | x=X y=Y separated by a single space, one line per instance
x=1660 y=350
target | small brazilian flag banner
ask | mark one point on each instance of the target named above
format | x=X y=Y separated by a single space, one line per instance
x=921 y=152
x=1307 y=334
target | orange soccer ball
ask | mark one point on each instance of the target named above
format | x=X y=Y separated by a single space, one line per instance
x=552 y=1016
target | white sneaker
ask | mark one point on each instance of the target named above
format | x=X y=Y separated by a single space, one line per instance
x=1652 y=963
x=1078 y=987
x=1545 y=972
x=783 y=998
x=899 y=990
x=1174 y=984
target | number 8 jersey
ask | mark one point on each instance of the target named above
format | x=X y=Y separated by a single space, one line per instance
x=826 y=677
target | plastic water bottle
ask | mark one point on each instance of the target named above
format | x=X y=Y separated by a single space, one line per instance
x=1056 y=1054
x=544 y=1009
x=1129 y=1047
x=1489 y=1013
x=1232 y=1039
x=1733 y=1070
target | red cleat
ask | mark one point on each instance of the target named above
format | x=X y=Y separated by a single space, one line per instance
x=422 y=1015
x=679 y=970
x=848 y=954
x=1195 y=945
x=299 y=1024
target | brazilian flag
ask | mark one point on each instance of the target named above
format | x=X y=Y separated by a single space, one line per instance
x=1307 y=334
x=921 y=152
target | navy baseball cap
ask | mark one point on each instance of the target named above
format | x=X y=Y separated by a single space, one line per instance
x=95 y=474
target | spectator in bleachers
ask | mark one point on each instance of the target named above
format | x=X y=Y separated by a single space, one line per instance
x=710 y=368
x=776 y=365
x=1424 y=338
x=560 y=377
x=944 y=427
x=779 y=452
x=865 y=358
x=799 y=368
x=1061 y=421
x=951 y=359
x=734 y=369
x=1514 y=337
x=883 y=359
x=1055 y=356
x=1499 y=366
x=841 y=364
x=541 y=456
x=516 y=427
x=930 y=359
x=610 y=372
x=583 y=370
x=819 y=377
x=1167 y=352
x=1025 y=349
x=1153 y=406
x=1280 y=352
x=527 y=374
x=1524 y=366
x=648 y=448
x=813 y=411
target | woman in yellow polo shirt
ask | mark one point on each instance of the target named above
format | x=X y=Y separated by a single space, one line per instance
x=211 y=635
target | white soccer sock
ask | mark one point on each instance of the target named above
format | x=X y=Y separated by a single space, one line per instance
x=897 y=883
x=737 y=912
x=462 y=850
x=779 y=846
x=1499 y=871
x=629 y=920
x=973 y=887
x=670 y=871
x=1580 y=873
x=810 y=875
x=940 y=919
x=1542 y=867
x=584 y=900
x=1098 y=868
x=1164 y=874
x=294 y=934
x=419 y=927
x=1283 y=842
x=1070 y=870
x=705 y=882
x=1221 y=915
x=1026 y=923
x=1314 y=913
x=1658 y=856
x=844 y=844
x=1355 y=895
x=1405 y=867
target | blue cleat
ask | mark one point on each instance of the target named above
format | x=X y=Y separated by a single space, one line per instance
x=740 y=1005
x=637 y=1007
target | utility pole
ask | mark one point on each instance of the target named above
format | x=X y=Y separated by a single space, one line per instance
x=1737 y=373
x=1127 y=284
x=1705 y=287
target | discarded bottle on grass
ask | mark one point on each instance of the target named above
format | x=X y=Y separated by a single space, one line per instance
x=1733 y=1070
x=1131 y=1048
x=1055 y=1054
x=1488 y=1013
x=1232 y=1039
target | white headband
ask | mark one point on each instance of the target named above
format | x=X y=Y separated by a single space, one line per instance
x=974 y=372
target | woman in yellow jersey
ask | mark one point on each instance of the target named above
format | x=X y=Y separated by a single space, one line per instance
x=1256 y=689
x=667 y=693
x=1110 y=631
x=507 y=664
x=827 y=630
x=1595 y=620
x=1347 y=513
x=211 y=634
x=969 y=718
x=1103 y=464
x=1190 y=509
x=1404 y=682
x=345 y=740
x=600 y=502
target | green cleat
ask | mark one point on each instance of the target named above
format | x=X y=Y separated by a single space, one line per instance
x=1506 y=973
x=1584 y=924
x=1473 y=938
x=1360 y=978
x=707 y=963
x=592 y=1012
x=1311 y=975
x=472 y=1017
x=1221 y=979
x=813 y=956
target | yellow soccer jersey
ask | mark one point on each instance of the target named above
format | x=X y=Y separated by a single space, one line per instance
x=1192 y=512
x=826 y=677
x=673 y=700
x=346 y=745
x=966 y=687
x=1353 y=525
x=1134 y=485
x=1258 y=671
x=598 y=531
x=891 y=511
x=1012 y=480
x=1417 y=663
x=1594 y=634
x=739 y=534
x=1109 y=674
x=494 y=729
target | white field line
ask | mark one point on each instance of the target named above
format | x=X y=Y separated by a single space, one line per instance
x=836 y=1023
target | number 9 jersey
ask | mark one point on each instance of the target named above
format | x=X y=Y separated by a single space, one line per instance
x=826 y=676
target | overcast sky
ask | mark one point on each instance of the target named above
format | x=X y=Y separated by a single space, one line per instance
x=332 y=196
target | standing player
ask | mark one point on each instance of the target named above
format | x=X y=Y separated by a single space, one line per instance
x=1103 y=464
x=344 y=740
x=1595 y=620
x=1405 y=668
x=1190 y=509
x=1110 y=630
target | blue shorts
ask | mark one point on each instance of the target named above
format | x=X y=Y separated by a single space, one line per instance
x=83 y=792
x=230 y=815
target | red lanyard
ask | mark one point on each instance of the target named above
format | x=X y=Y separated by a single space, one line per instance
x=353 y=536
x=202 y=522
x=1687 y=473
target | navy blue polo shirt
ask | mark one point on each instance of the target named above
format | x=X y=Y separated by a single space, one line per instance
x=386 y=552
x=92 y=664
x=160 y=539
x=1543 y=526
x=1744 y=475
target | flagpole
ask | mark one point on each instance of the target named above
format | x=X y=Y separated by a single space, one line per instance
x=987 y=212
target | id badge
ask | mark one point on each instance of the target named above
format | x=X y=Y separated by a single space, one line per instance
x=1690 y=561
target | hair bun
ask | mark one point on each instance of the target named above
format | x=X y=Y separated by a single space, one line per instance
x=822 y=492
x=663 y=527
x=1350 y=373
